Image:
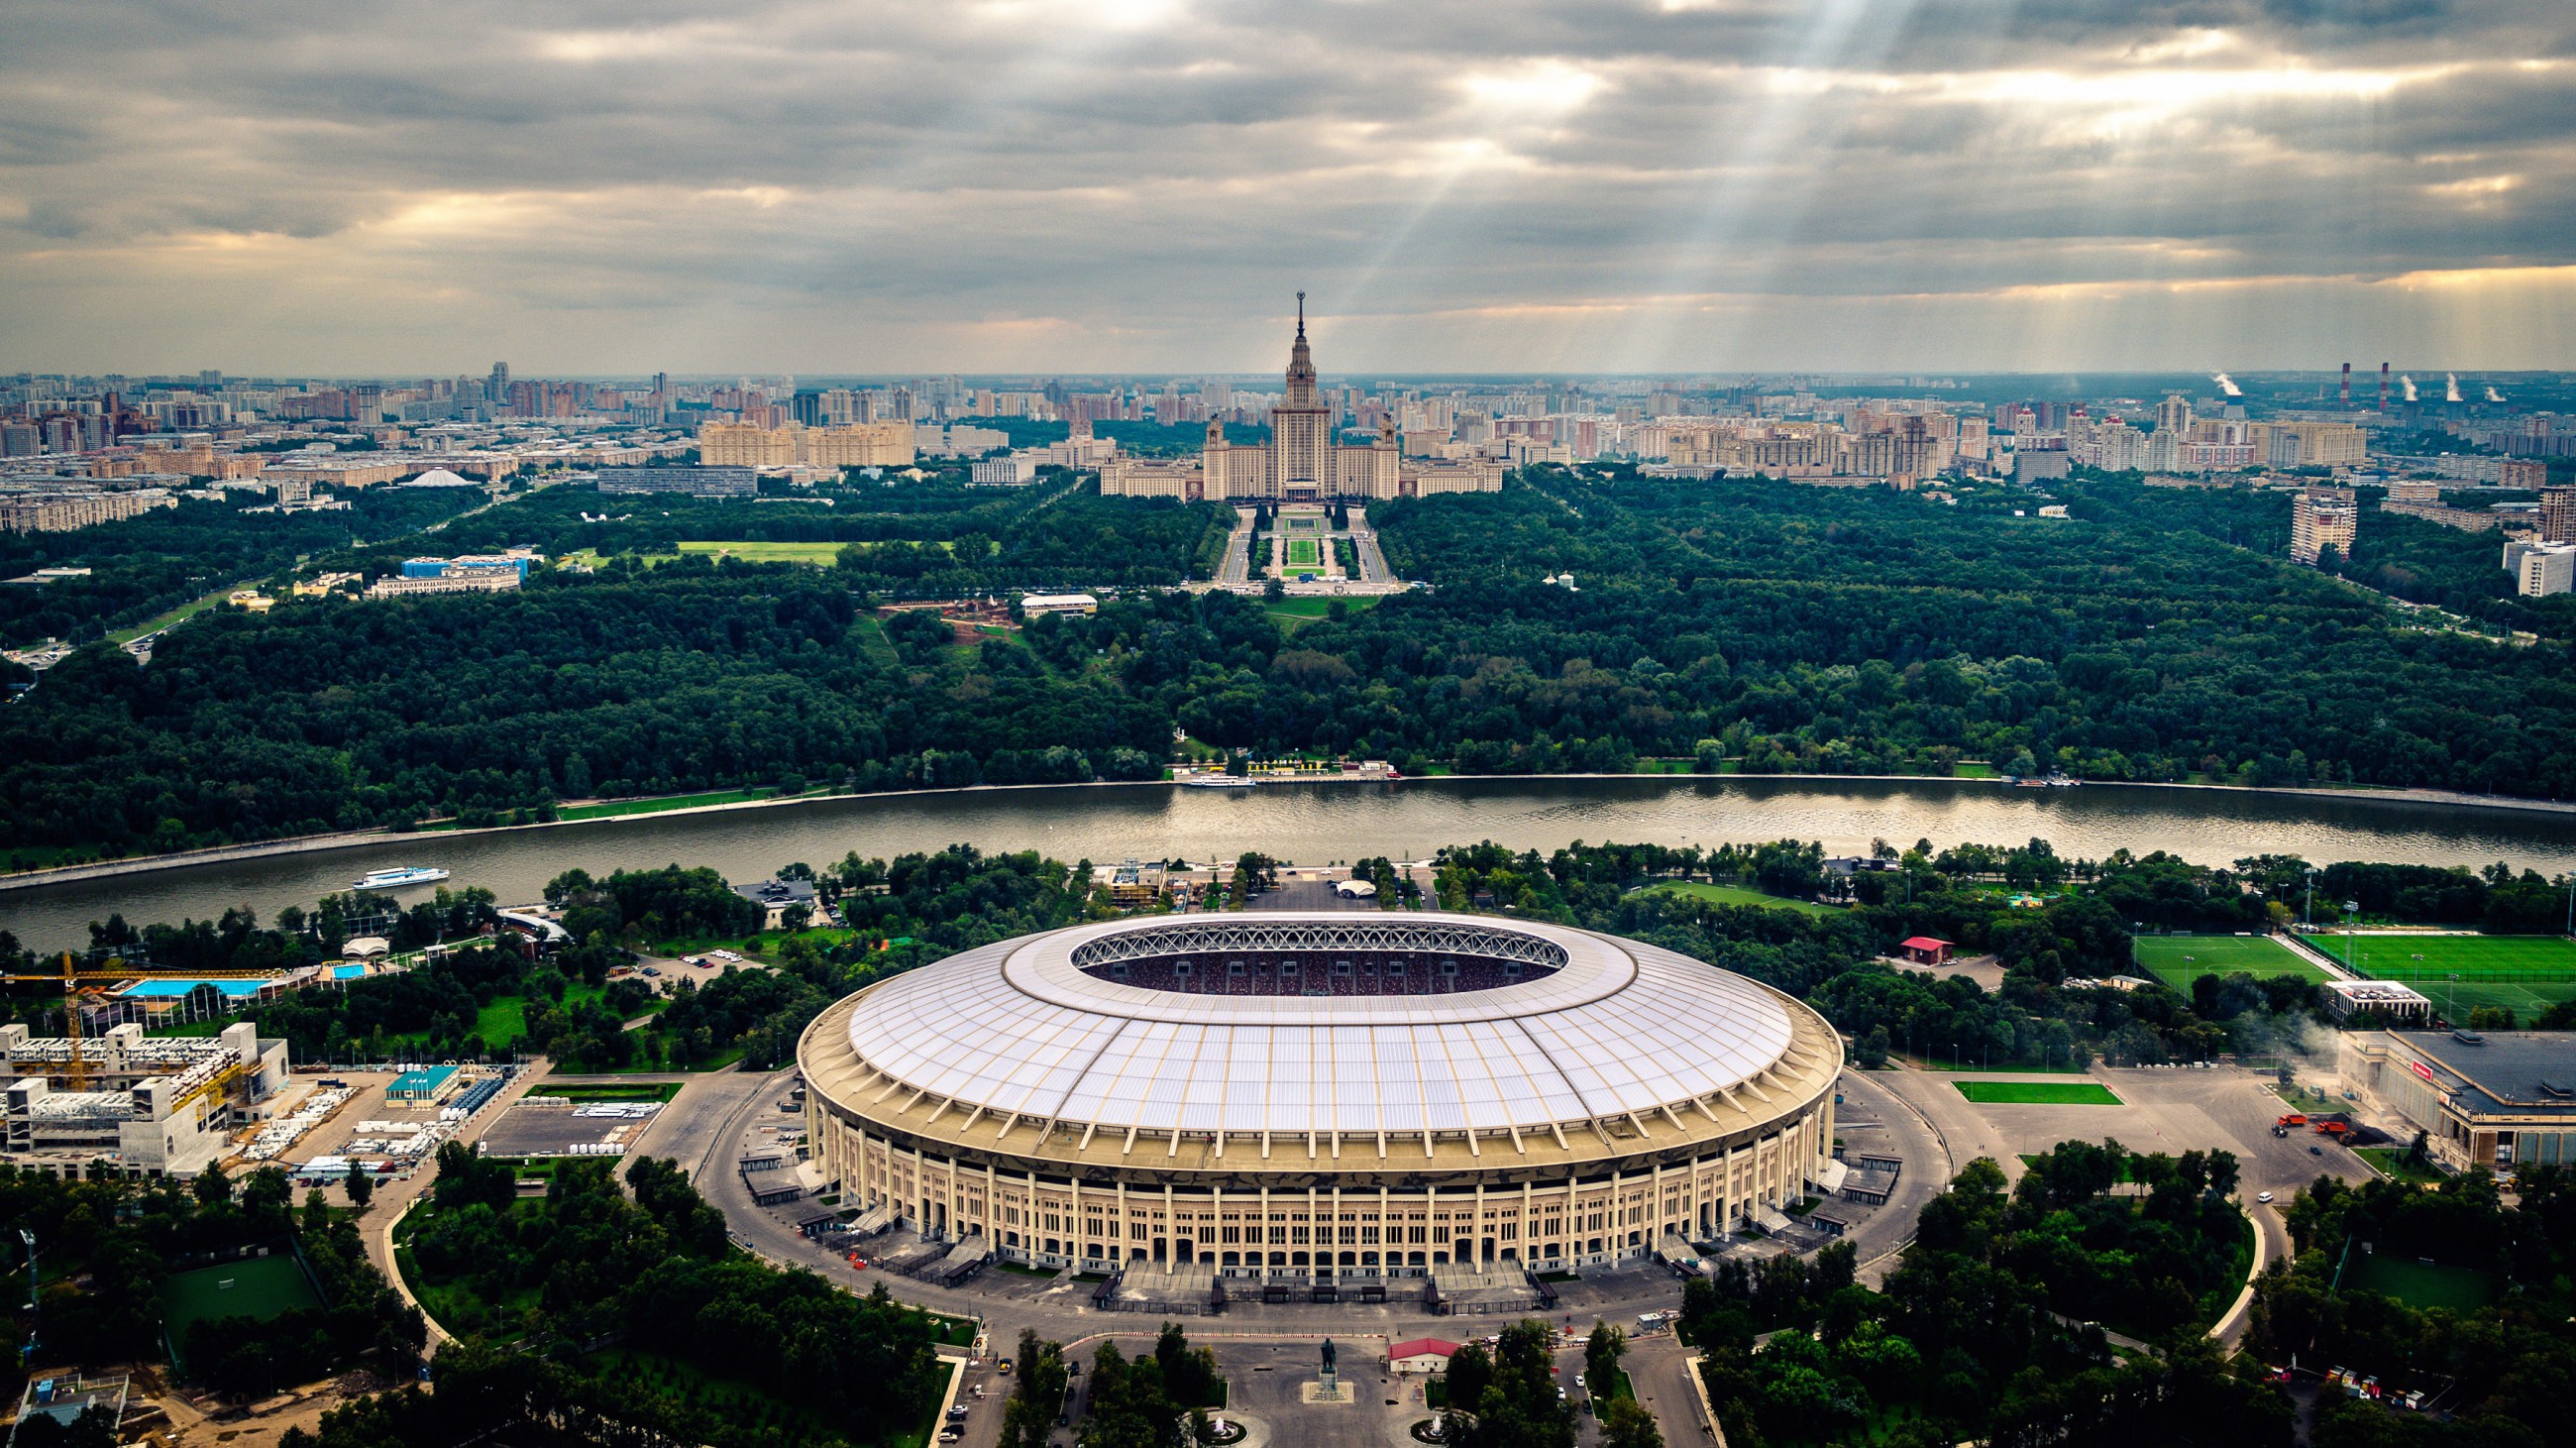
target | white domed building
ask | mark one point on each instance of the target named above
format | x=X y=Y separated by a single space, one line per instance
x=1320 y=1095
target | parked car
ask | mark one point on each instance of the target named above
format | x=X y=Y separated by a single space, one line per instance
x=2263 y=1196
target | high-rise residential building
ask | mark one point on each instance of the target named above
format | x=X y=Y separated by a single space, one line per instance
x=2541 y=569
x=2322 y=518
x=746 y=445
x=2522 y=473
x=859 y=445
x=2558 y=515
x=2173 y=415
x=2311 y=444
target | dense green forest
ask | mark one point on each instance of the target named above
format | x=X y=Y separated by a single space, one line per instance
x=1763 y=628
x=147 y=565
x=1992 y=1329
x=629 y=1306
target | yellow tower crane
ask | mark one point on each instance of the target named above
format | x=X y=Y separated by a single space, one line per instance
x=77 y=1071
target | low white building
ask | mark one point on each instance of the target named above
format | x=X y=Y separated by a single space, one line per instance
x=1038 y=605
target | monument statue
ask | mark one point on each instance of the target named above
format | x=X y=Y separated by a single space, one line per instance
x=1328 y=1357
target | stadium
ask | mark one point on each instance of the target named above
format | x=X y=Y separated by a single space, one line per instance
x=1320 y=1095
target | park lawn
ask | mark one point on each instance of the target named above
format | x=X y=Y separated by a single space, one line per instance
x=1738 y=895
x=503 y=1021
x=656 y=806
x=1304 y=553
x=190 y=609
x=1310 y=609
x=2177 y=960
x=2417 y=1283
x=2038 y=1093
x=640 y=1091
x=872 y=639
x=823 y=554
x=2390 y=1161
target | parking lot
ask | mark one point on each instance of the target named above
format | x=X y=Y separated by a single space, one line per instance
x=555 y=1126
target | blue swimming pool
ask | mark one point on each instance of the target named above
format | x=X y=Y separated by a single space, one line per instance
x=156 y=989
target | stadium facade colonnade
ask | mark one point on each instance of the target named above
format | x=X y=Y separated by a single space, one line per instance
x=1326 y=1094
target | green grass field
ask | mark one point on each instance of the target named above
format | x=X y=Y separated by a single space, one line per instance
x=2526 y=974
x=823 y=554
x=1737 y=895
x=2037 y=1093
x=260 y=1287
x=1305 y=553
x=2418 y=1284
x=2179 y=959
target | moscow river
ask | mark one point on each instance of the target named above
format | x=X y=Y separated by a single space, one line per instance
x=1315 y=824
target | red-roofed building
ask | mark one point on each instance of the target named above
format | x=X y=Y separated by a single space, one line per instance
x=1421 y=1355
x=1924 y=950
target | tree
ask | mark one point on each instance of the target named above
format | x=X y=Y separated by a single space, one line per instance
x=361 y=1186
x=1628 y=1425
x=1601 y=1354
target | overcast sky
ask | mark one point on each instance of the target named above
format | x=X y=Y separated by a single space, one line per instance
x=1141 y=185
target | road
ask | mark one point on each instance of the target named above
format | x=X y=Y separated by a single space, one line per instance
x=1373 y=567
x=394 y=1197
x=2167 y=1110
x=1917 y=1116
x=1875 y=1121
x=1238 y=551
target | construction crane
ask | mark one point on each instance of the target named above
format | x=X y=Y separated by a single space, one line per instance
x=77 y=1071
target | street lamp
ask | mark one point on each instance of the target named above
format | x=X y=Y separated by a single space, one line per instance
x=2308 y=901
x=2349 y=906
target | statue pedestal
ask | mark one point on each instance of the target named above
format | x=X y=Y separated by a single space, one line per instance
x=1326 y=1391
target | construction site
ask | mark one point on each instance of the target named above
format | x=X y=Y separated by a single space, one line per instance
x=147 y=1105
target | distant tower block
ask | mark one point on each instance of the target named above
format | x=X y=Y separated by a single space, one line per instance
x=2347 y=384
x=2383 y=387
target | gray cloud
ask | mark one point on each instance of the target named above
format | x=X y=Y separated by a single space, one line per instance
x=1042 y=184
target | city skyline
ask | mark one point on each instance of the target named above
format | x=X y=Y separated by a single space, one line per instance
x=1860 y=186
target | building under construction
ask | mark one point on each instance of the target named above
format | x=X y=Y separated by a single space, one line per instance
x=145 y=1105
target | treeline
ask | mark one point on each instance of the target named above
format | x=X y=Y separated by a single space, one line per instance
x=1988 y=1333
x=1754 y=627
x=597 y=1289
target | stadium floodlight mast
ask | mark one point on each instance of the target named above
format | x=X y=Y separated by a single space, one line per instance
x=2308 y=902
x=2349 y=906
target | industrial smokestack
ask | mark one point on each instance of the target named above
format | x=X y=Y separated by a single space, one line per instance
x=2383 y=387
x=2347 y=385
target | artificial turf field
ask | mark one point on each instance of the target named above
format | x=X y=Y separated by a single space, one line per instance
x=260 y=1287
x=2037 y=1093
x=2523 y=973
x=2177 y=960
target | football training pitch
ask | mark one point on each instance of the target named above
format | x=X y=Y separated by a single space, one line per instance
x=2524 y=973
x=2037 y=1093
x=2178 y=960
x=260 y=1287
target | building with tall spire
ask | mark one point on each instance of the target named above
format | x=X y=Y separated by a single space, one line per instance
x=1301 y=463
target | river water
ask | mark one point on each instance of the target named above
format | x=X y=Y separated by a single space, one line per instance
x=1322 y=823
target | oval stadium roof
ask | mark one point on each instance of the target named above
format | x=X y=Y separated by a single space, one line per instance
x=1040 y=1028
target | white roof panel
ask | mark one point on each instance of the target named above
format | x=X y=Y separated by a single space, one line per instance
x=1602 y=1026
